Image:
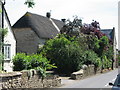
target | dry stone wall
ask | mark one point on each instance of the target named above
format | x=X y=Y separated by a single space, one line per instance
x=26 y=80
x=85 y=71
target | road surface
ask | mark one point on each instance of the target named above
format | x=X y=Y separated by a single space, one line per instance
x=96 y=81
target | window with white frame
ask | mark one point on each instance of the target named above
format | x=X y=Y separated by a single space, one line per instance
x=7 y=51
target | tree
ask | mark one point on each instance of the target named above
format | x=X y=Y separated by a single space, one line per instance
x=72 y=28
x=90 y=38
x=70 y=51
x=29 y=3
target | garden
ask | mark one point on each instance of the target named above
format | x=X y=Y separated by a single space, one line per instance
x=78 y=44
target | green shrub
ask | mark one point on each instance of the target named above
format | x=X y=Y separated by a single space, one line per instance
x=107 y=63
x=35 y=61
x=1 y=61
x=91 y=58
x=109 y=52
x=69 y=53
x=19 y=62
x=66 y=54
x=69 y=59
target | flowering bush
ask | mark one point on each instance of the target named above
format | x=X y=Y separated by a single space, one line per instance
x=76 y=45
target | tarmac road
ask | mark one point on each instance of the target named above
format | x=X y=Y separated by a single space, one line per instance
x=96 y=81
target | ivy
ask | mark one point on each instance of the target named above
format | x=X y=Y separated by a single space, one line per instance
x=3 y=33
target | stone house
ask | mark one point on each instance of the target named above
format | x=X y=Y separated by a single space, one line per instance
x=32 y=30
x=111 y=34
x=9 y=48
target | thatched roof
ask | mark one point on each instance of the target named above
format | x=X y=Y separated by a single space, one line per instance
x=41 y=25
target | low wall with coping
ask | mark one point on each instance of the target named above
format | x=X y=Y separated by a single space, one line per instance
x=28 y=79
x=85 y=71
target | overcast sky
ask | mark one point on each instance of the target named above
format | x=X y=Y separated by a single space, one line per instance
x=104 y=11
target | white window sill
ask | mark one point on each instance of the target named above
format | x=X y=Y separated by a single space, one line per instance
x=7 y=59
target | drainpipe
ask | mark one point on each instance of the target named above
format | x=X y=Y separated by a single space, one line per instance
x=3 y=3
x=114 y=48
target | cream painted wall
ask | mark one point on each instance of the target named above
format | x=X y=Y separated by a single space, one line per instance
x=9 y=39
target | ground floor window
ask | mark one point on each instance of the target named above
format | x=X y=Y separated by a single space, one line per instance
x=7 y=51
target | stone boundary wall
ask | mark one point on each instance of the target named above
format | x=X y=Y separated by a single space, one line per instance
x=28 y=79
x=85 y=71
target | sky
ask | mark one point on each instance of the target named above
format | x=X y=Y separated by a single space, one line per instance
x=103 y=11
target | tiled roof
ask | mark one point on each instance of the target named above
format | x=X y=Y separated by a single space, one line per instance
x=108 y=32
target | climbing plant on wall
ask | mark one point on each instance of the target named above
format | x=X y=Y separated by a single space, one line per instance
x=3 y=33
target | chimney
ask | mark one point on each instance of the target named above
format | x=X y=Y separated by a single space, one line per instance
x=48 y=14
x=63 y=20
